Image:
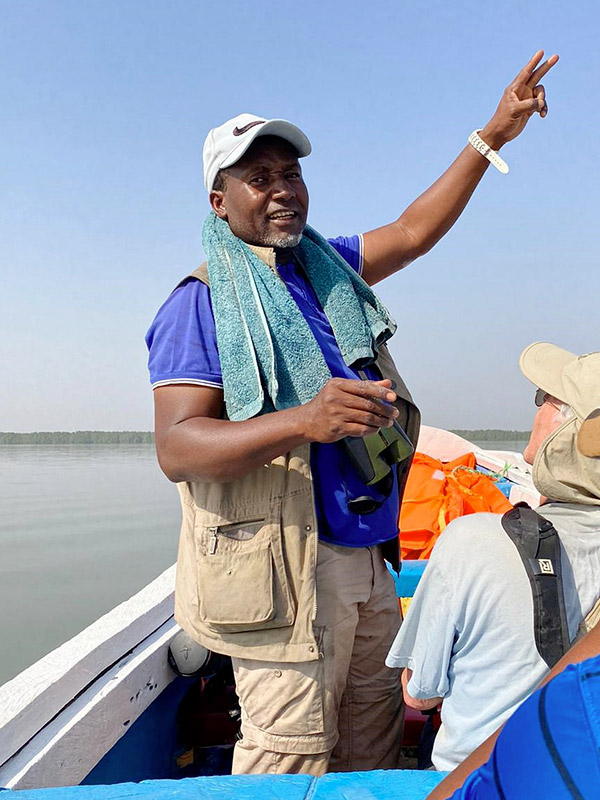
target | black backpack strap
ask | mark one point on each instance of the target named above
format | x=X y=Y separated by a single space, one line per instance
x=538 y=545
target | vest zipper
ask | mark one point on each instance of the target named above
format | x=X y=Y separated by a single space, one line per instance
x=316 y=528
x=222 y=530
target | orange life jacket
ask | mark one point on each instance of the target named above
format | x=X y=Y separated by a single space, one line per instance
x=438 y=492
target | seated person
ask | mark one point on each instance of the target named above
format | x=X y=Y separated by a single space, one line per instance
x=468 y=639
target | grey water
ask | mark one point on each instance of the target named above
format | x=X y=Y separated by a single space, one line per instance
x=82 y=528
x=511 y=445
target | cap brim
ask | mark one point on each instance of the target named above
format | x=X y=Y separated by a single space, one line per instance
x=588 y=438
x=542 y=363
x=274 y=127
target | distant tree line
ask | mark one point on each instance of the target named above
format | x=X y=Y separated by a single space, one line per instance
x=494 y=435
x=78 y=437
x=147 y=437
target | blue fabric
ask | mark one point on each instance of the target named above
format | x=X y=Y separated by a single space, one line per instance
x=270 y=358
x=183 y=347
x=550 y=747
x=408 y=578
x=181 y=341
x=504 y=484
x=378 y=784
x=375 y=785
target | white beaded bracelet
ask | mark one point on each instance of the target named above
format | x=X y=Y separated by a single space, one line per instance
x=492 y=156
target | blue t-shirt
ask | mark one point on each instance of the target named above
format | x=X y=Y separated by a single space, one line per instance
x=182 y=346
x=550 y=747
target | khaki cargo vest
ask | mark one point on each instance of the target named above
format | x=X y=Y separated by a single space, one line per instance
x=246 y=568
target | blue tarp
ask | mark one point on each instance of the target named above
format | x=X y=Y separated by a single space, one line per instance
x=408 y=578
x=504 y=484
x=375 y=785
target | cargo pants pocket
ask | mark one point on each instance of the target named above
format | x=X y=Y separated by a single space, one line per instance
x=283 y=704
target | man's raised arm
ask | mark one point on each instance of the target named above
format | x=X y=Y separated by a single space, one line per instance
x=430 y=216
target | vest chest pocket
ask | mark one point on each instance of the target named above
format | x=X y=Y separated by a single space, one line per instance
x=242 y=581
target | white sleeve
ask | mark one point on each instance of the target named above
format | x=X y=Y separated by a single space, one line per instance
x=361 y=254
x=425 y=640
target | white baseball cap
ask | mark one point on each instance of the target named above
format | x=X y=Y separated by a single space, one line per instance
x=226 y=144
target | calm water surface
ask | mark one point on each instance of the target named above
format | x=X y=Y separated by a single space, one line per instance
x=82 y=528
x=515 y=446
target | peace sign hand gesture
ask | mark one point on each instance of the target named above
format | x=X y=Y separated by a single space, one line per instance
x=521 y=99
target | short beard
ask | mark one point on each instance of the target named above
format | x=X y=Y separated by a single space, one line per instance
x=282 y=242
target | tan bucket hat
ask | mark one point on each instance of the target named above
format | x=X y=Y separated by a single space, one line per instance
x=561 y=470
x=573 y=379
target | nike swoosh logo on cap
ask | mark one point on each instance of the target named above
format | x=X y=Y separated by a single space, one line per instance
x=240 y=131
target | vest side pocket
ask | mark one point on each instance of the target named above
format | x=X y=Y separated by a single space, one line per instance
x=242 y=585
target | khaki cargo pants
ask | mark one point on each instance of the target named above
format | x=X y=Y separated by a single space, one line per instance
x=343 y=712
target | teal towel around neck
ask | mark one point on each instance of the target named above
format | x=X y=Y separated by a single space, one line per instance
x=269 y=356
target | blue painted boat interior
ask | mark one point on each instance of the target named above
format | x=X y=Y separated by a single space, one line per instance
x=375 y=785
x=167 y=740
x=151 y=746
x=182 y=746
x=189 y=730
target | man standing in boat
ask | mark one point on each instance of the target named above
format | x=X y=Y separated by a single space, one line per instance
x=269 y=370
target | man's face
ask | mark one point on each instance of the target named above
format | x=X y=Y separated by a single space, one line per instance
x=547 y=419
x=265 y=200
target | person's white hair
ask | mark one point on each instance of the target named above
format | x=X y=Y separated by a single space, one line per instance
x=564 y=411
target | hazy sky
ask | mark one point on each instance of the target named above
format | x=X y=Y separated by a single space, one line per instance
x=105 y=106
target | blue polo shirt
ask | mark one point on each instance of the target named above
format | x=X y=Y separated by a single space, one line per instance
x=182 y=346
